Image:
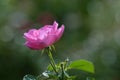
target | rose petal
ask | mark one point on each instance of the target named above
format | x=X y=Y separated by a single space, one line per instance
x=29 y=37
x=50 y=39
x=43 y=37
x=35 y=46
x=55 y=25
x=60 y=32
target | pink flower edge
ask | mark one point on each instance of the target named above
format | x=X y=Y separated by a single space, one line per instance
x=44 y=36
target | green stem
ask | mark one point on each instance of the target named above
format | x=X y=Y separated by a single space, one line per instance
x=51 y=57
x=53 y=68
x=62 y=68
x=52 y=62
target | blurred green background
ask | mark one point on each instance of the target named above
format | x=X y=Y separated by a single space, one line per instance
x=92 y=32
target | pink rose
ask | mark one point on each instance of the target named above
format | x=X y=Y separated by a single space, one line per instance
x=43 y=37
